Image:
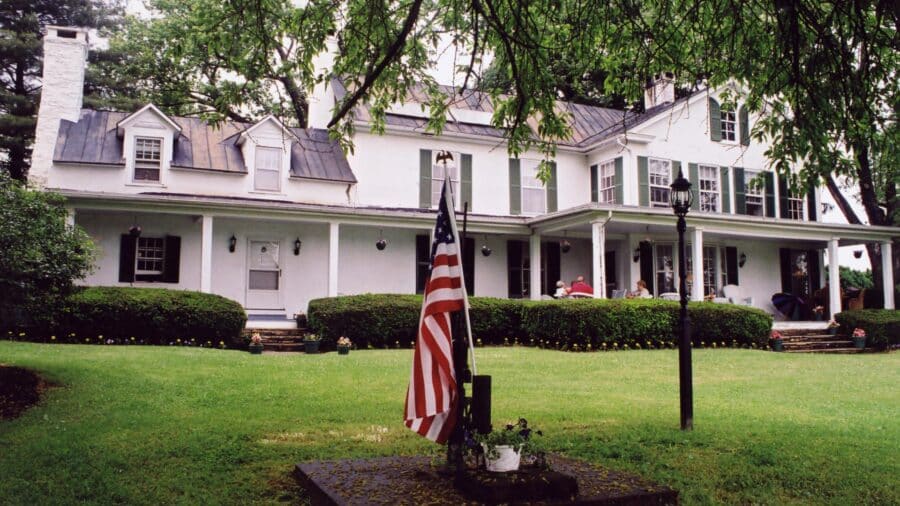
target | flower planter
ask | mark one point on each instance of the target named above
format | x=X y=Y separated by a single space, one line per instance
x=777 y=345
x=859 y=342
x=507 y=460
x=311 y=346
x=256 y=349
x=343 y=350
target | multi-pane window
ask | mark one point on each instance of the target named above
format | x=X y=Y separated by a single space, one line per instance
x=754 y=194
x=709 y=270
x=147 y=158
x=268 y=169
x=660 y=179
x=534 y=194
x=709 y=188
x=795 y=206
x=150 y=256
x=608 y=182
x=438 y=172
x=665 y=269
x=729 y=125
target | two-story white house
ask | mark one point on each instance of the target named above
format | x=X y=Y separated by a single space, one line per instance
x=273 y=217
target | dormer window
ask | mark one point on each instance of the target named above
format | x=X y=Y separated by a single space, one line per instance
x=268 y=169
x=729 y=125
x=147 y=159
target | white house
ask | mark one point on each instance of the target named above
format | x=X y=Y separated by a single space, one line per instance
x=273 y=217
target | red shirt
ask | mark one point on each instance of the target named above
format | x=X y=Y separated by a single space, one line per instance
x=581 y=287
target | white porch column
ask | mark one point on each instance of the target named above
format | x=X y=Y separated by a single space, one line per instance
x=834 y=278
x=534 y=266
x=887 y=273
x=598 y=259
x=334 y=230
x=206 y=245
x=697 y=263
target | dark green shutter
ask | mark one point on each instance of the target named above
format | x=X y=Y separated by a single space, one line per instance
x=647 y=264
x=770 y=194
x=715 y=121
x=515 y=187
x=783 y=197
x=643 y=181
x=740 y=195
x=425 y=178
x=620 y=178
x=127 y=251
x=695 y=185
x=551 y=190
x=785 y=256
x=731 y=266
x=676 y=168
x=465 y=180
x=595 y=185
x=744 y=125
x=811 y=202
x=468 y=262
x=551 y=266
x=812 y=263
x=514 y=269
x=726 y=191
x=172 y=262
x=423 y=252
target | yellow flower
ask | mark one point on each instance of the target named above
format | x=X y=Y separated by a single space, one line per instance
x=53 y=338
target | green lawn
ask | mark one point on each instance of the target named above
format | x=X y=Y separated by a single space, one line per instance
x=155 y=425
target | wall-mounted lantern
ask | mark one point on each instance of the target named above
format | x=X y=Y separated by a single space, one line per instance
x=297 y=244
x=232 y=243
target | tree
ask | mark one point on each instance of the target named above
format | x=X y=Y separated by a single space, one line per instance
x=42 y=255
x=21 y=48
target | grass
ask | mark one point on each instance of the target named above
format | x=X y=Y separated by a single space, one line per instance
x=151 y=425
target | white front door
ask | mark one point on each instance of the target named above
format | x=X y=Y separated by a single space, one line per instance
x=264 y=275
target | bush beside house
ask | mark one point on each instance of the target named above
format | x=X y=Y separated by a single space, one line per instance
x=388 y=320
x=882 y=326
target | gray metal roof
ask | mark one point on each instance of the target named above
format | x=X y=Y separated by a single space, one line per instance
x=200 y=146
x=590 y=124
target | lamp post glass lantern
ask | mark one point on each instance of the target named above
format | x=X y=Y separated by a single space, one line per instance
x=681 y=198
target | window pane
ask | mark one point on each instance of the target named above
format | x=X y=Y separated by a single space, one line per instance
x=532 y=201
x=147 y=150
x=660 y=179
x=145 y=174
x=267 y=180
x=268 y=158
x=264 y=280
x=608 y=182
x=533 y=191
x=149 y=258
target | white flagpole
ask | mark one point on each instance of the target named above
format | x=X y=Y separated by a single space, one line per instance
x=448 y=196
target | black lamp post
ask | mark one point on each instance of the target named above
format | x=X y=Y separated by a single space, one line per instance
x=681 y=198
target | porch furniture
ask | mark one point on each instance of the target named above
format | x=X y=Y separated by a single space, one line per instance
x=669 y=296
x=857 y=302
x=721 y=300
x=619 y=294
x=788 y=305
x=581 y=295
x=734 y=295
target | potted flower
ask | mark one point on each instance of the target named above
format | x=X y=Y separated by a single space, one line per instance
x=343 y=345
x=311 y=343
x=833 y=326
x=503 y=449
x=256 y=345
x=859 y=338
x=777 y=341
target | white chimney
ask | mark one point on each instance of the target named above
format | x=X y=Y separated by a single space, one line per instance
x=321 y=101
x=65 y=54
x=660 y=90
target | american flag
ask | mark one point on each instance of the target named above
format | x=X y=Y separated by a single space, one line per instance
x=431 y=400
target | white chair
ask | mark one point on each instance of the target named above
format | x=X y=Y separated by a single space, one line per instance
x=669 y=296
x=733 y=294
x=619 y=294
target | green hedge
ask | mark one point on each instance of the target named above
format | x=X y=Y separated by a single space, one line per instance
x=390 y=320
x=149 y=315
x=882 y=326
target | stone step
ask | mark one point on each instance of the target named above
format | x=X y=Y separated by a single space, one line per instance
x=817 y=344
x=264 y=333
x=801 y=332
x=828 y=350
x=282 y=339
x=296 y=347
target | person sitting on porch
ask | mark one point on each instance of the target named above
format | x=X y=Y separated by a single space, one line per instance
x=580 y=289
x=561 y=290
x=641 y=292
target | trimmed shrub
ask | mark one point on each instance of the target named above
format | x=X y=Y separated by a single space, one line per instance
x=388 y=320
x=882 y=326
x=151 y=316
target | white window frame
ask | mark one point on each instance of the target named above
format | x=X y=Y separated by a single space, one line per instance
x=277 y=170
x=757 y=192
x=437 y=180
x=606 y=183
x=159 y=247
x=147 y=163
x=662 y=181
x=712 y=190
x=657 y=270
x=528 y=173
x=795 y=207
x=728 y=124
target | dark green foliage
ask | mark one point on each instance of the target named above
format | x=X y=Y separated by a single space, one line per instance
x=40 y=256
x=384 y=320
x=882 y=326
x=151 y=315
